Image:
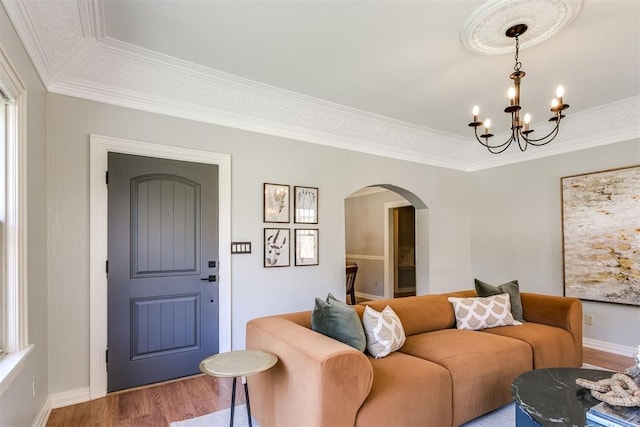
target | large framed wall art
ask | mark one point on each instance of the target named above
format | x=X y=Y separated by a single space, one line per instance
x=601 y=235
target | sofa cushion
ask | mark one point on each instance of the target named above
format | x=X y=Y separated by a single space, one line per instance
x=339 y=321
x=482 y=367
x=511 y=288
x=384 y=331
x=419 y=314
x=552 y=347
x=478 y=313
x=407 y=391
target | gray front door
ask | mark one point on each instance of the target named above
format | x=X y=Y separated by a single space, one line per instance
x=162 y=269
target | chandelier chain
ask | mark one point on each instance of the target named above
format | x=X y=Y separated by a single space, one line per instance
x=518 y=64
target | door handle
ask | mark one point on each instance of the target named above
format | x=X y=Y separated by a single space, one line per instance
x=210 y=278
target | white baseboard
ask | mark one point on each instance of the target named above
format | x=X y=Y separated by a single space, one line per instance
x=368 y=296
x=609 y=347
x=43 y=416
x=70 y=397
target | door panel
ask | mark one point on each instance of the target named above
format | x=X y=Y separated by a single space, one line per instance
x=165 y=226
x=164 y=325
x=162 y=318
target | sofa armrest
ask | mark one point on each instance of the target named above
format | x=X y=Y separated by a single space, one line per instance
x=561 y=312
x=317 y=381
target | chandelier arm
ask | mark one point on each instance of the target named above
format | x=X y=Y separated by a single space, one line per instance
x=537 y=142
x=520 y=144
x=497 y=149
x=494 y=149
x=502 y=150
x=487 y=145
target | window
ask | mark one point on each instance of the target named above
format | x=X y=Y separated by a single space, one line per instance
x=3 y=220
x=13 y=281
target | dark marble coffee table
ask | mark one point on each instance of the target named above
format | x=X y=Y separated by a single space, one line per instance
x=551 y=397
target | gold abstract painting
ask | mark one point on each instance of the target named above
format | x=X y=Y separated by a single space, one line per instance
x=601 y=235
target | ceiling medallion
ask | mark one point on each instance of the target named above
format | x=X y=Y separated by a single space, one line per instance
x=484 y=31
x=520 y=130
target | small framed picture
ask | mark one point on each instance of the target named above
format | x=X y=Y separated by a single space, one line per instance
x=276 y=203
x=305 y=205
x=306 y=246
x=276 y=247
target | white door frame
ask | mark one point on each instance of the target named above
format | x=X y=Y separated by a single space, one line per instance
x=389 y=291
x=100 y=146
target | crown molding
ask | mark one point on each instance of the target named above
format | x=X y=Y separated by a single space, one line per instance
x=129 y=76
x=29 y=37
x=69 y=49
x=91 y=18
x=50 y=31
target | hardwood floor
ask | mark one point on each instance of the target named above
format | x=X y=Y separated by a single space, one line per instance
x=152 y=406
x=157 y=405
x=615 y=362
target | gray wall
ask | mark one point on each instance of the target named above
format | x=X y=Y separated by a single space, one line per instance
x=516 y=230
x=256 y=158
x=17 y=406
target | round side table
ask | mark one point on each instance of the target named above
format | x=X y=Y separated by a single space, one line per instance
x=240 y=363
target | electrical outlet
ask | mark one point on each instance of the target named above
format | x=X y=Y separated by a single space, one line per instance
x=33 y=387
x=588 y=319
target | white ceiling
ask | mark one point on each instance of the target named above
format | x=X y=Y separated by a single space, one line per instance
x=386 y=77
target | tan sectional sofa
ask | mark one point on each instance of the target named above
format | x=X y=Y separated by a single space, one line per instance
x=442 y=376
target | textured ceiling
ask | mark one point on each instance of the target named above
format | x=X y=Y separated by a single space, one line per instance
x=386 y=77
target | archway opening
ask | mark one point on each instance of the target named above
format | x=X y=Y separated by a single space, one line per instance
x=386 y=235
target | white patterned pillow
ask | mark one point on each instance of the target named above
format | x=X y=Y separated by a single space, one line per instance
x=474 y=314
x=384 y=331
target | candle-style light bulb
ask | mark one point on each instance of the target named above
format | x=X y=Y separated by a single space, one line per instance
x=487 y=125
x=554 y=104
x=475 y=111
x=527 y=120
x=511 y=93
x=559 y=94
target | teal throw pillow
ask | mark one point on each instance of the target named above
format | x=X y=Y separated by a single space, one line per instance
x=511 y=288
x=339 y=321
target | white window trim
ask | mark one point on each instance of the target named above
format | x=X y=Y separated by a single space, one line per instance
x=15 y=339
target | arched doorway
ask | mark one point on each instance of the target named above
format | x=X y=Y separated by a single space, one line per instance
x=391 y=264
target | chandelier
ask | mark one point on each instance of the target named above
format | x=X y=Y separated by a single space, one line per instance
x=520 y=126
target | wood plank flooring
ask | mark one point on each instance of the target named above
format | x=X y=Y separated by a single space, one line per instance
x=153 y=406
x=615 y=362
x=158 y=405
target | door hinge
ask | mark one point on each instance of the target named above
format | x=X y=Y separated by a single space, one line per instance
x=106 y=177
x=106 y=266
x=106 y=358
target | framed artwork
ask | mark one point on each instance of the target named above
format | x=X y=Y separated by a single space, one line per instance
x=305 y=205
x=306 y=246
x=276 y=247
x=276 y=203
x=601 y=235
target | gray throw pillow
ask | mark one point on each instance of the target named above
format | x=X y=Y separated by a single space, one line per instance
x=486 y=290
x=339 y=321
